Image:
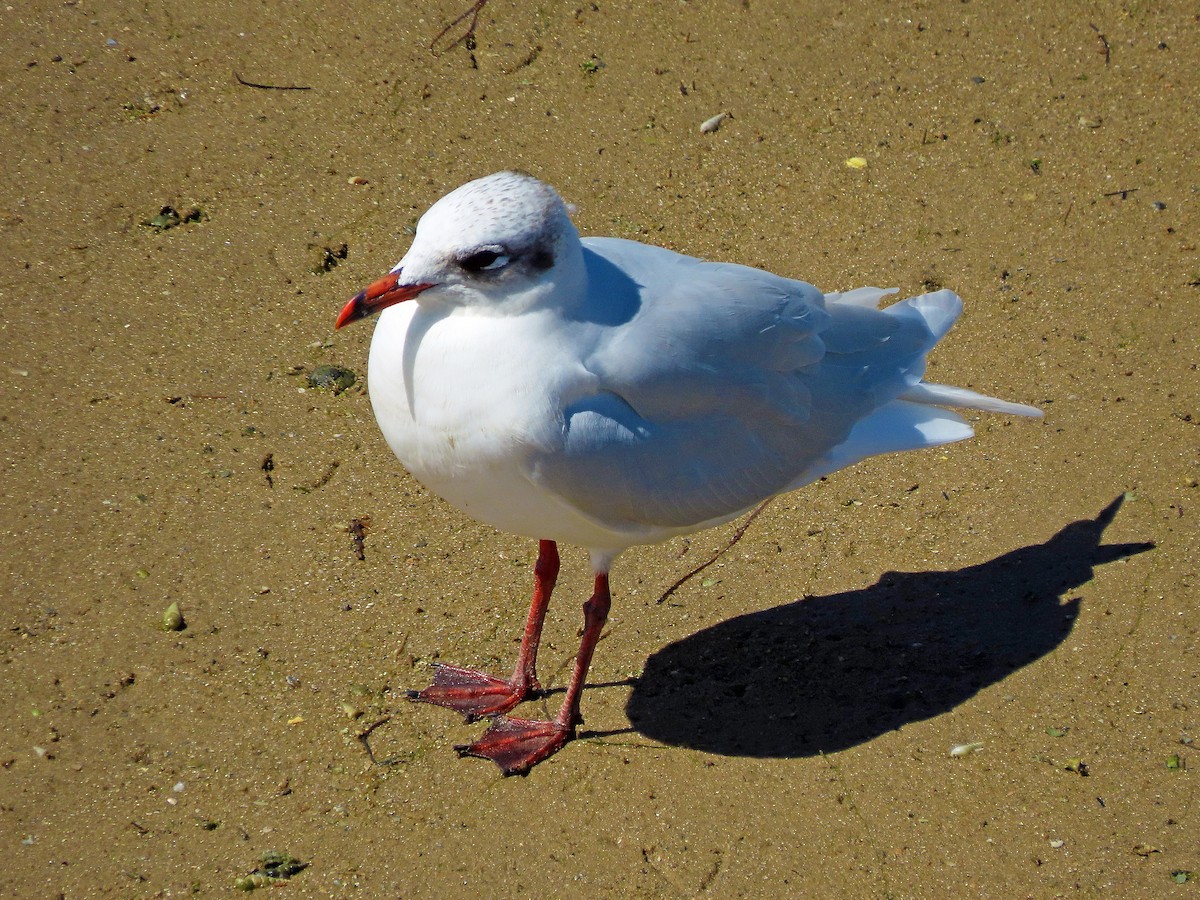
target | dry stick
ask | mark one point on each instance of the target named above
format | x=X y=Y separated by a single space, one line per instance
x=467 y=37
x=364 y=737
x=271 y=87
x=737 y=536
x=358 y=534
x=1104 y=41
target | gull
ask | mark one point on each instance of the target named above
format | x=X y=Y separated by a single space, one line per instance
x=606 y=393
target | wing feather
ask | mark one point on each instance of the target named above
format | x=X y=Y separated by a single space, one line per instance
x=728 y=384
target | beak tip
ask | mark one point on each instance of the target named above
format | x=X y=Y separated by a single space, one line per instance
x=377 y=296
x=351 y=312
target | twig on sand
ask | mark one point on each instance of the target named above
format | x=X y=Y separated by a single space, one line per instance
x=1104 y=41
x=271 y=87
x=364 y=737
x=358 y=533
x=737 y=536
x=467 y=38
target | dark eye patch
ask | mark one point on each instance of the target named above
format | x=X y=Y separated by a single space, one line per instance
x=484 y=260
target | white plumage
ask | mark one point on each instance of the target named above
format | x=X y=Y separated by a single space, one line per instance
x=606 y=393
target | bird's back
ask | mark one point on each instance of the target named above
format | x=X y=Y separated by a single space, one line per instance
x=720 y=385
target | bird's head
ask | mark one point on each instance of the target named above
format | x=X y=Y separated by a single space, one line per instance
x=504 y=243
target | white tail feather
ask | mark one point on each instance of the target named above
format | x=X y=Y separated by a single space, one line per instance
x=961 y=398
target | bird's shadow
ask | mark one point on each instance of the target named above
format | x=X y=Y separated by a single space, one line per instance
x=826 y=673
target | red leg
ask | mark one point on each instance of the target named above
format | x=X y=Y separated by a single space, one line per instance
x=515 y=745
x=476 y=694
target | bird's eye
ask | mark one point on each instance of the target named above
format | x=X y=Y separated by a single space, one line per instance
x=484 y=261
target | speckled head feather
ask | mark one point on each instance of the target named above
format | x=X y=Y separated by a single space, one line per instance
x=509 y=207
x=507 y=236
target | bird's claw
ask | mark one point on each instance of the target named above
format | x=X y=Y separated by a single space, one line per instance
x=474 y=694
x=516 y=745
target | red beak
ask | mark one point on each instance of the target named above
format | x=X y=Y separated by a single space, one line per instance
x=376 y=296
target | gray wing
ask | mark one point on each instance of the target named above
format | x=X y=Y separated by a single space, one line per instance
x=718 y=386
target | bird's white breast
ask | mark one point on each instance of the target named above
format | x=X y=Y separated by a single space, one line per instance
x=467 y=400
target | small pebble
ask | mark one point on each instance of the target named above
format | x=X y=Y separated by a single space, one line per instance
x=173 y=619
x=332 y=378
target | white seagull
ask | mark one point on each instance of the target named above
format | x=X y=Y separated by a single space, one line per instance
x=607 y=393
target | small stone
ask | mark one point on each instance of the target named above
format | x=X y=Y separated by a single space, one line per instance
x=332 y=378
x=329 y=256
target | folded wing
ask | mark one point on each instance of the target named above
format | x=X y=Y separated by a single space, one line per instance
x=728 y=384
